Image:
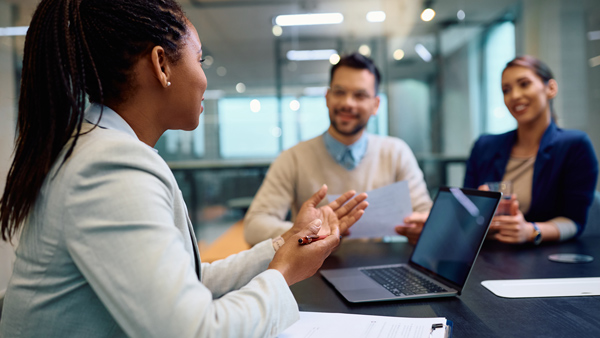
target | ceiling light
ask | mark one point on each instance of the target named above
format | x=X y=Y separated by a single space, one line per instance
x=423 y=52
x=255 y=106
x=13 y=31
x=309 y=55
x=427 y=14
x=276 y=132
x=398 y=54
x=309 y=19
x=208 y=61
x=294 y=105
x=334 y=59
x=460 y=15
x=240 y=88
x=364 y=50
x=277 y=30
x=376 y=16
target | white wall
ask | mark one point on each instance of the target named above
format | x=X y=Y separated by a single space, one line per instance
x=555 y=31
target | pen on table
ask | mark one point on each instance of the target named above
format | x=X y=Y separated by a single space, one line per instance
x=309 y=239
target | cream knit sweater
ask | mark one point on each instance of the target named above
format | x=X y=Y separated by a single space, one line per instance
x=301 y=170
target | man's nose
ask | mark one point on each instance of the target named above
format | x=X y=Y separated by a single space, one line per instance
x=349 y=99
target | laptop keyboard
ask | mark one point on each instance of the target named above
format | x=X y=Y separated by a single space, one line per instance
x=401 y=281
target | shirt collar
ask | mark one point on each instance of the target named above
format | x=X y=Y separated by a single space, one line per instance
x=337 y=150
x=109 y=120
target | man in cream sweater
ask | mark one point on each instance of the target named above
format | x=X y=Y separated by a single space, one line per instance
x=345 y=157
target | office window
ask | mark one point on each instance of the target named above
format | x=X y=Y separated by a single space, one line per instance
x=248 y=127
x=378 y=124
x=499 y=50
x=290 y=113
x=182 y=145
x=314 y=117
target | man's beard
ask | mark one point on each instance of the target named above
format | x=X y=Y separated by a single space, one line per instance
x=359 y=127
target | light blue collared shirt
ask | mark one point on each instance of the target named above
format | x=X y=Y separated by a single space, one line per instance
x=346 y=156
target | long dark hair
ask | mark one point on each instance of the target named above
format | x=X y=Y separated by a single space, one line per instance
x=74 y=48
x=539 y=68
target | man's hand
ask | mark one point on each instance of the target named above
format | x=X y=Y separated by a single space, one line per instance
x=413 y=225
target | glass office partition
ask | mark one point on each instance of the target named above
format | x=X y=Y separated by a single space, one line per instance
x=439 y=88
x=499 y=50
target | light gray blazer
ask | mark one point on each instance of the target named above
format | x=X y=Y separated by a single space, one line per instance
x=108 y=251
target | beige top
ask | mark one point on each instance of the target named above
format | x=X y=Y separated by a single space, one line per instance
x=301 y=170
x=519 y=170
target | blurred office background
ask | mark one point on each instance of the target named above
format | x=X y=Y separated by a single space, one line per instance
x=266 y=82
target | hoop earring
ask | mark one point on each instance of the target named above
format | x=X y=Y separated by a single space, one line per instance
x=168 y=84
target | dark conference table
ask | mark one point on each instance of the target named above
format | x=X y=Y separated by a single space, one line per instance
x=477 y=312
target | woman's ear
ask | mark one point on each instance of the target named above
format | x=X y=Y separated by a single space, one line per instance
x=552 y=88
x=160 y=66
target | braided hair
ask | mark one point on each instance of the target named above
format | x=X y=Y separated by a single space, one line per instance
x=77 y=50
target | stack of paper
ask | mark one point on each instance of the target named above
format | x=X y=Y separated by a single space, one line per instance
x=327 y=325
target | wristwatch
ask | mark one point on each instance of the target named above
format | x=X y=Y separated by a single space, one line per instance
x=538 y=234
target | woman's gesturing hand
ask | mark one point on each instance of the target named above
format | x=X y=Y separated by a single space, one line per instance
x=336 y=217
x=297 y=262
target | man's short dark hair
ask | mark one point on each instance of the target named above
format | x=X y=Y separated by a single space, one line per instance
x=358 y=61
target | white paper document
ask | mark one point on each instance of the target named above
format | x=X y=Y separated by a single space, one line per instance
x=387 y=208
x=327 y=325
x=544 y=287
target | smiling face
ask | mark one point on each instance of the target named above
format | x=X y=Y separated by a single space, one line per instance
x=188 y=84
x=351 y=100
x=526 y=96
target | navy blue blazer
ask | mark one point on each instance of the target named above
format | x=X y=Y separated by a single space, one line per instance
x=564 y=174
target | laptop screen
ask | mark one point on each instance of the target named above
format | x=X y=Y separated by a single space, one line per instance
x=454 y=231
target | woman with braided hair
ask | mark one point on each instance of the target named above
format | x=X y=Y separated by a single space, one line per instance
x=106 y=248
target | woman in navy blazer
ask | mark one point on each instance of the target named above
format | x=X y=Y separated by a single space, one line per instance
x=565 y=168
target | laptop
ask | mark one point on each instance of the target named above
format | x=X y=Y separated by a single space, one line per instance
x=441 y=260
